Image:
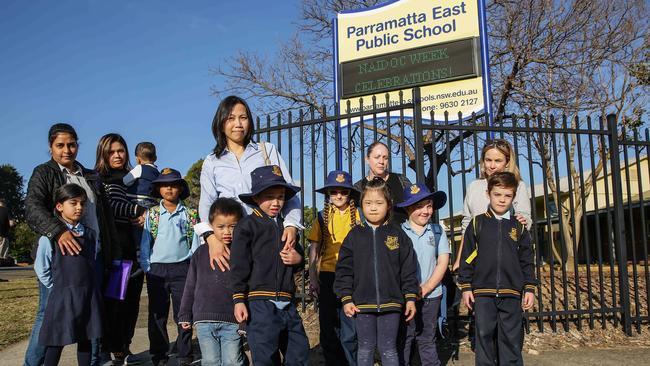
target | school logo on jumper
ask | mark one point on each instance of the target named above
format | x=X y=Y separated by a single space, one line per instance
x=277 y=171
x=415 y=189
x=166 y=171
x=340 y=178
x=513 y=234
x=391 y=242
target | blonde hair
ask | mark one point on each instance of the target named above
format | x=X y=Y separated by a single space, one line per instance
x=504 y=148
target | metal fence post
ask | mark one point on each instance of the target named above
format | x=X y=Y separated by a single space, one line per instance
x=619 y=225
x=417 y=135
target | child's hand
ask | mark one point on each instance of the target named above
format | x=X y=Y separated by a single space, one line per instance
x=241 y=313
x=186 y=325
x=528 y=301
x=290 y=257
x=350 y=309
x=410 y=311
x=424 y=291
x=521 y=219
x=468 y=299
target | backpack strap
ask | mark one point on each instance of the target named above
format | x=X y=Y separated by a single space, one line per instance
x=154 y=219
x=437 y=233
x=192 y=217
x=476 y=225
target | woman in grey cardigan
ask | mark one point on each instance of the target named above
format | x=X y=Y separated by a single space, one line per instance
x=497 y=156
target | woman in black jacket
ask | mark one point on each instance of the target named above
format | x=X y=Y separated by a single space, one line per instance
x=112 y=164
x=39 y=207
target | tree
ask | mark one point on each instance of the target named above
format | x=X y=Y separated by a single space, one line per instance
x=193 y=179
x=11 y=190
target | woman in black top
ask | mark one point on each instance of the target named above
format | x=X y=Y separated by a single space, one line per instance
x=377 y=160
x=112 y=163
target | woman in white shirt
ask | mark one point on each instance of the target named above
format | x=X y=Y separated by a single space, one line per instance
x=497 y=156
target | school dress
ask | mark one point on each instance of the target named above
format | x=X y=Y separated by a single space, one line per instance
x=74 y=308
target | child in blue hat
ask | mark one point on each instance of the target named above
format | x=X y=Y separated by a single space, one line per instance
x=168 y=241
x=337 y=335
x=432 y=251
x=262 y=273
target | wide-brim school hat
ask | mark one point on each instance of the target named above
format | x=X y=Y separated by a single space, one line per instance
x=169 y=175
x=418 y=192
x=340 y=179
x=266 y=177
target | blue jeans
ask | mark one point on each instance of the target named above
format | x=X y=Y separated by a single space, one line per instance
x=220 y=344
x=378 y=331
x=35 y=354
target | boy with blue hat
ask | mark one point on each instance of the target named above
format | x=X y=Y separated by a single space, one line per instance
x=262 y=273
x=432 y=251
x=168 y=241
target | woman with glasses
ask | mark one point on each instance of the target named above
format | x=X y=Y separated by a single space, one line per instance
x=497 y=156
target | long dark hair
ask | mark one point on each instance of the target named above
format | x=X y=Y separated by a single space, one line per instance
x=220 y=117
x=104 y=148
x=68 y=192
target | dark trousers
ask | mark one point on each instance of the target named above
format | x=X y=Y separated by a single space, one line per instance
x=266 y=323
x=378 y=331
x=348 y=336
x=123 y=316
x=329 y=308
x=422 y=329
x=166 y=280
x=500 y=319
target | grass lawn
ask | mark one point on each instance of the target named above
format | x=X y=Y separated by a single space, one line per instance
x=18 y=303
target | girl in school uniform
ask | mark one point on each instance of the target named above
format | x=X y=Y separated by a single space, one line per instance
x=376 y=277
x=338 y=217
x=73 y=312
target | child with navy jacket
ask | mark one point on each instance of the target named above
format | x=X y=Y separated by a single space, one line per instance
x=375 y=277
x=432 y=252
x=139 y=179
x=207 y=300
x=262 y=273
x=168 y=241
x=497 y=275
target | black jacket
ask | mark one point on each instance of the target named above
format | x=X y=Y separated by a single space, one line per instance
x=503 y=264
x=257 y=271
x=39 y=207
x=376 y=269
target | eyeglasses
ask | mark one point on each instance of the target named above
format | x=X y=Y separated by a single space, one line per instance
x=497 y=143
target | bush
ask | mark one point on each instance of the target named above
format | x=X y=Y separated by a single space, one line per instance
x=21 y=244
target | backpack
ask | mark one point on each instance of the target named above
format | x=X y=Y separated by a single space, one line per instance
x=192 y=218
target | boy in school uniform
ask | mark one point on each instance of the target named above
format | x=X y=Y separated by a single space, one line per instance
x=497 y=276
x=168 y=241
x=262 y=273
x=432 y=252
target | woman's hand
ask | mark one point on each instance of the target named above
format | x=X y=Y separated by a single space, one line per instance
x=138 y=221
x=289 y=237
x=219 y=253
x=290 y=257
x=521 y=219
x=68 y=243
x=350 y=309
x=186 y=326
x=241 y=313
x=409 y=312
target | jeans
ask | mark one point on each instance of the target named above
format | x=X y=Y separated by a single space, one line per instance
x=348 y=336
x=422 y=329
x=378 y=330
x=220 y=344
x=35 y=354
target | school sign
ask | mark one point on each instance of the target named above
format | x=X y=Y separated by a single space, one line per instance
x=438 y=45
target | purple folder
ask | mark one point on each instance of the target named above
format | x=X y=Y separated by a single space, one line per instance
x=118 y=279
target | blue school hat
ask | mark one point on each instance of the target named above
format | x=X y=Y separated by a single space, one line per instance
x=340 y=179
x=169 y=175
x=266 y=177
x=418 y=192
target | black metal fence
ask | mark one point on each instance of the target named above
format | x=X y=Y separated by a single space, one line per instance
x=588 y=180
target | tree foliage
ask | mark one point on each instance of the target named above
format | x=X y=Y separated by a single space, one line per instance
x=11 y=190
x=193 y=179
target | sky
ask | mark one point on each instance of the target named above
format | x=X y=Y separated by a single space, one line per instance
x=137 y=68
